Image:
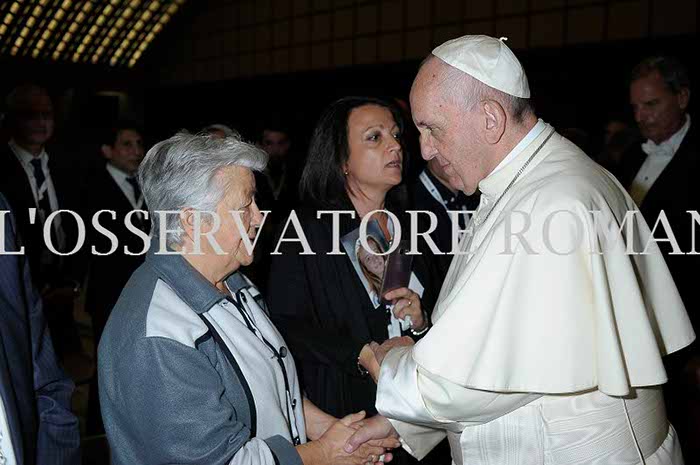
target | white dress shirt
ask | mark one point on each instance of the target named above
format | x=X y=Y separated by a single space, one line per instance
x=120 y=177
x=658 y=157
x=25 y=158
x=7 y=453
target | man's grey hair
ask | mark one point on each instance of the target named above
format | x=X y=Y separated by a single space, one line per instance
x=181 y=172
x=466 y=91
x=672 y=71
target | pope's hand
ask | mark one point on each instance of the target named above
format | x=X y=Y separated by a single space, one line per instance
x=380 y=351
x=372 y=429
x=332 y=444
x=372 y=354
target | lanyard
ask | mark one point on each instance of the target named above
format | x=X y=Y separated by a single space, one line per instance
x=238 y=302
x=432 y=190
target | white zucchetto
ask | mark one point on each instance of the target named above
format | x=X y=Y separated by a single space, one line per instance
x=488 y=60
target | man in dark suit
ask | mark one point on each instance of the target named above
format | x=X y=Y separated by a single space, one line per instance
x=113 y=187
x=432 y=192
x=662 y=177
x=35 y=187
x=38 y=427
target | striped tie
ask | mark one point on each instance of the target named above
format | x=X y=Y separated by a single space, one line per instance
x=42 y=189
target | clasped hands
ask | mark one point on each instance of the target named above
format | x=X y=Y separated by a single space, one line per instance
x=352 y=440
x=362 y=440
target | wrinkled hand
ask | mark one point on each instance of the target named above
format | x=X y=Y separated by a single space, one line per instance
x=373 y=354
x=380 y=351
x=407 y=303
x=334 y=439
x=372 y=430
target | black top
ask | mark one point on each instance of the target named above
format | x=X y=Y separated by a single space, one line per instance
x=109 y=273
x=325 y=314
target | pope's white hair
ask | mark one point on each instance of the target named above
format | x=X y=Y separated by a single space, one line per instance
x=181 y=172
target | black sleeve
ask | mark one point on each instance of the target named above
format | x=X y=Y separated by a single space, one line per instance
x=293 y=311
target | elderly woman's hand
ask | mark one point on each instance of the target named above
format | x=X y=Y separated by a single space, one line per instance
x=407 y=303
x=329 y=449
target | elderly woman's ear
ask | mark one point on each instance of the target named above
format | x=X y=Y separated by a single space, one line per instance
x=196 y=223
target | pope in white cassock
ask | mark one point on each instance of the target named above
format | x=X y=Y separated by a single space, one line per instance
x=550 y=328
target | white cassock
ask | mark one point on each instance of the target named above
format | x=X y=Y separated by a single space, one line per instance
x=549 y=353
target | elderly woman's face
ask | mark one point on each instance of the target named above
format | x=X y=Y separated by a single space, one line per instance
x=240 y=196
x=375 y=158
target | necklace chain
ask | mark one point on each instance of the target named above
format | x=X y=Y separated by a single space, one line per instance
x=517 y=175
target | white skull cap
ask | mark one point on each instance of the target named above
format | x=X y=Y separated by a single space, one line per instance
x=488 y=60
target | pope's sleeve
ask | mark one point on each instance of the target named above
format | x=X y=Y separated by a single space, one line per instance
x=423 y=406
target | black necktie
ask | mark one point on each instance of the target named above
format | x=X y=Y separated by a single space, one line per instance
x=42 y=191
x=139 y=219
x=135 y=186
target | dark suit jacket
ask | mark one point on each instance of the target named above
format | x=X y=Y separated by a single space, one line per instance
x=18 y=192
x=442 y=236
x=675 y=192
x=35 y=391
x=109 y=273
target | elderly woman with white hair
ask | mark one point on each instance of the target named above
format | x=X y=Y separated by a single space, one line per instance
x=191 y=369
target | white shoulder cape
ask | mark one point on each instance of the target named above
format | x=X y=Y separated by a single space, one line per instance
x=554 y=316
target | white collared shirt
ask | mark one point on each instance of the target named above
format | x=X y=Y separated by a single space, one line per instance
x=658 y=158
x=120 y=177
x=25 y=158
x=7 y=452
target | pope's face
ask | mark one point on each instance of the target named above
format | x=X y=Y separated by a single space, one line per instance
x=447 y=131
x=658 y=111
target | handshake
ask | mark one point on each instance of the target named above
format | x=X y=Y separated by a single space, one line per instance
x=352 y=440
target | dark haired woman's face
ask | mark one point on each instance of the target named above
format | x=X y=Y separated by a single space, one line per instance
x=375 y=158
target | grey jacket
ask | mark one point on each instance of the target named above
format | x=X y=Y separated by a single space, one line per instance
x=170 y=392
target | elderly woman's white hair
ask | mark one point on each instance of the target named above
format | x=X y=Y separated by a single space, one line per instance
x=180 y=172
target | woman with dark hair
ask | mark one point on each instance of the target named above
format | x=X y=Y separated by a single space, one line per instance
x=355 y=164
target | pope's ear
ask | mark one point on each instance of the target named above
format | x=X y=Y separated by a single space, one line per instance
x=494 y=121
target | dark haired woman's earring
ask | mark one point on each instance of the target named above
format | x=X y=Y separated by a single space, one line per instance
x=346 y=172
